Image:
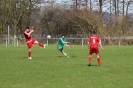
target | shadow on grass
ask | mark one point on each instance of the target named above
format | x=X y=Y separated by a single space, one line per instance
x=24 y=57
x=93 y=65
x=60 y=56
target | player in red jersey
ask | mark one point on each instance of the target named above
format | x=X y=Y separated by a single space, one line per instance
x=31 y=41
x=93 y=42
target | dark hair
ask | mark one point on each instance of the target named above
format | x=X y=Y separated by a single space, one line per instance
x=63 y=35
x=27 y=28
x=94 y=32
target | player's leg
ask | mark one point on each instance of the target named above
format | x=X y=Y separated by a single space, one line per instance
x=90 y=56
x=29 y=50
x=98 y=60
x=61 y=50
x=39 y=43
x=89 y=60
x=29 y=53
x=98 y=57
x=65 y=54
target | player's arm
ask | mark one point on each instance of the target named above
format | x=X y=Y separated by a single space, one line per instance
x=88 y=43
x=29 y=33
x=100 y=44
x=67 y=46
x=64 y=42
x=31 y=30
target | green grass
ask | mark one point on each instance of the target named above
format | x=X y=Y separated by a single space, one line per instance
x=50 y=69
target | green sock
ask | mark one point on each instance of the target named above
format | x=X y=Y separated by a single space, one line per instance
x=67 y=56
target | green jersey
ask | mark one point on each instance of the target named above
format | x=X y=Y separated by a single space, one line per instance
x=61 y=42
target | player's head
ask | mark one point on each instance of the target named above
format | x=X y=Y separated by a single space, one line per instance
x=93 y=32
x=27 y=28
x=63 y=36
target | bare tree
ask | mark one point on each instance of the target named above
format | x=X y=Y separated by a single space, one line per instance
x=129 y=3
x=16 y=12
x=90 y=5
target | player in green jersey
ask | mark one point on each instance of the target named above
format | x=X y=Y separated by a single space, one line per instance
x=61 y=43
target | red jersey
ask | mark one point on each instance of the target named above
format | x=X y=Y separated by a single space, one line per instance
x=93 y=40
x=27 y=37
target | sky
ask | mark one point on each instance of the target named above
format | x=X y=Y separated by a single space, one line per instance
x=106 y=5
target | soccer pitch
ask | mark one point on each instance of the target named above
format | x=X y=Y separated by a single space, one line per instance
x=50 y=69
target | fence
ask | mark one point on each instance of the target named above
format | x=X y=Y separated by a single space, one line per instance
x=17 y=41
x=75 y=41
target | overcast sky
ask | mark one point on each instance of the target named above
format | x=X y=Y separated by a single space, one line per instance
x=106 y=5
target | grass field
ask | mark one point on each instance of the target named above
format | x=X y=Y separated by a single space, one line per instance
x=50 y=69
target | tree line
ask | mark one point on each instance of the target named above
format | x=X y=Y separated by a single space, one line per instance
x=108 y=17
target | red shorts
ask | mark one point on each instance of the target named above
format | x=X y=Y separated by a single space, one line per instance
x=30 y=43
x=94 y=50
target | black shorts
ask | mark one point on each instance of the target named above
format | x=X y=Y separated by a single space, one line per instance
x=61 y=49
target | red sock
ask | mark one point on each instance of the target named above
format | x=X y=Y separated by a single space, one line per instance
x=29 y=53
x=89 y=59
x=98 y=60
x=40 y=44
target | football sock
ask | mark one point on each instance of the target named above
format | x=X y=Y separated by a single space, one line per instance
x=40 y=44
x=29 y=53
x=89 y=59
x=65 y=54
x=98 y=60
